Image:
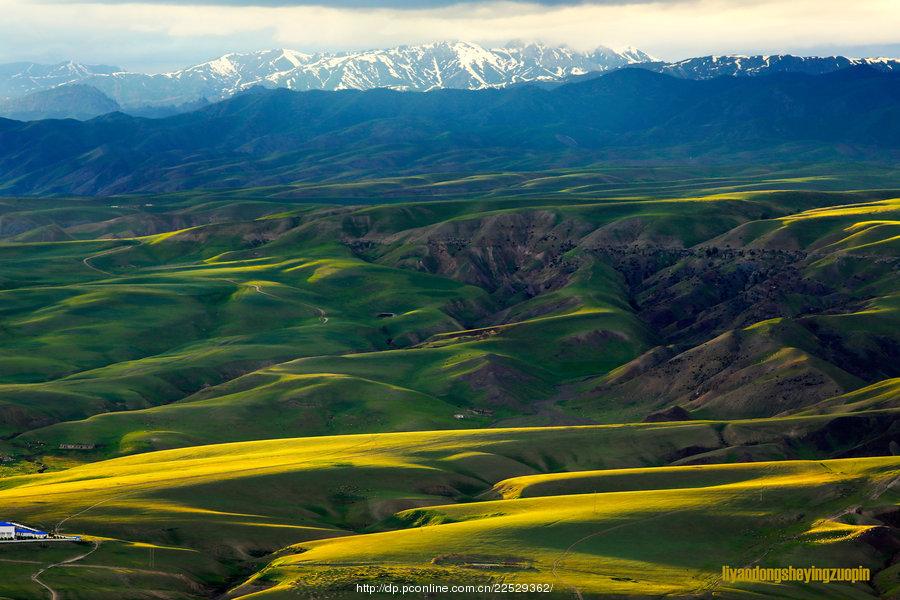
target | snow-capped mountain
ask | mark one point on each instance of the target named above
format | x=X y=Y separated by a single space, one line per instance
x=707 y=67
x=461 y=65
x=21 y=78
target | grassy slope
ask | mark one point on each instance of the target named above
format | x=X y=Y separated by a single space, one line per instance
x=211 y=509
x=95 y=340
x=230 y=317
x=237 y=297
x=853 y=246
x=217 y=507
x=621 y=532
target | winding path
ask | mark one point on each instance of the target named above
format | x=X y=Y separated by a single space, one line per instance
x=91 y=507
x=87 y=261
x=259 y=290
x=323 y=318
x=36 y=576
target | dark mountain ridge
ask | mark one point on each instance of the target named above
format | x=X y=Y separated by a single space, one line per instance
x=73 y=101
x=280 y=136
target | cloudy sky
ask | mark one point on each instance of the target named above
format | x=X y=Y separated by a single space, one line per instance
x=158 y=35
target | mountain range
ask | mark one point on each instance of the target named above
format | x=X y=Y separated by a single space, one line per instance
x=458 y=65
x=21 y=78
x=266 y=137
x=707 y=67
x=443 y=65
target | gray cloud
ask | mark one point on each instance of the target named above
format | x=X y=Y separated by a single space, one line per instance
x=151 y=35
x=371 y=4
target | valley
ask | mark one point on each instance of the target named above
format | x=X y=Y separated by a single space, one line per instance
x=613 y=380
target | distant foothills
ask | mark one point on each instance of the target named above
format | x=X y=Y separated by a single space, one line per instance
x=629 y=116
x=32 y=91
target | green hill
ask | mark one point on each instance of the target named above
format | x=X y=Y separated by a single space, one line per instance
x=611 y=380
x=368 y=507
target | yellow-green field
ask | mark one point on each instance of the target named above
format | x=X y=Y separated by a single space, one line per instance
x=373 y=509
x=645 y=540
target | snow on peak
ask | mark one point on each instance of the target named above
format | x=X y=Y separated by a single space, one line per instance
x=294 y=57
x=222 y=66
x=456 y=63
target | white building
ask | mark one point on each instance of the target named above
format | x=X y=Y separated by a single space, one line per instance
x=17 y=531
x=29 y=533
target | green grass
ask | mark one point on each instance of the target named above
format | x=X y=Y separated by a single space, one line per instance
x=215 y=349
x=382 y=500
x=253 y=289
x=146 y=570
x=637 y=541
x=637 y=535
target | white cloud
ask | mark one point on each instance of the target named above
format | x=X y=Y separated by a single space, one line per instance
x=155 y=35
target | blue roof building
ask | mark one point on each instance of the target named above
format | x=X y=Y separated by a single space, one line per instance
x=17 y=531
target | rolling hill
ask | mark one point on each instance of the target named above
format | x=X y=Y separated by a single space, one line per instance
x=443 y=314
x=411 y=356
x=184 y=522
x=359 y=509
